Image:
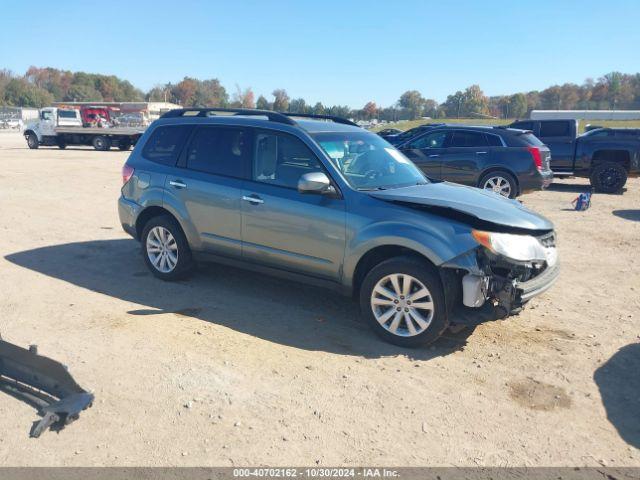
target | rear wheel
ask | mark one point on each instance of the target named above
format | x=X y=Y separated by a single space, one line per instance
x=32 y=141
x=403 y=301
x=61 y=144
x=165 y=248
x=124 y=145
x=101 y=143
x=608 y=177
x=500 y=182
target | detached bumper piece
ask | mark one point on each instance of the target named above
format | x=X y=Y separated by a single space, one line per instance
x=42 y=383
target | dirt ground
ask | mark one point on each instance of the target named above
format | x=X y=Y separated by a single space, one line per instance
x=232 y=368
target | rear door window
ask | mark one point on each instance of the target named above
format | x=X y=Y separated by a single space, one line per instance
x=165 y=144
x=430 y=140
x=463 y=138
x=219 y=151
x=555 y=129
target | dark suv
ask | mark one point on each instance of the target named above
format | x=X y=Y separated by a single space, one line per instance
x=505 y=160
x=326 y=202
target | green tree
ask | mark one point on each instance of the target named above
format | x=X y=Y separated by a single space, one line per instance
x=281 y=100
x=413 y=102
x=475 y=102
x=263 y=103
x=298 y=105
x=19 y=92
x=83 y=93
x=318 y=109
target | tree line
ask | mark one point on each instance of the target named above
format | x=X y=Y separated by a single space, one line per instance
x=39 y=87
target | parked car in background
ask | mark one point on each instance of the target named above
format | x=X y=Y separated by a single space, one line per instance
x=399 y=138
x=606 y=156
x=11 y=123
x=504 y=160
x=389 y=131
x=317 y=199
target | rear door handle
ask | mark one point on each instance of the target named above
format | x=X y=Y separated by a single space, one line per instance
x=434 y=155
x=177 y=184
x=253 y=199
x=481 y=153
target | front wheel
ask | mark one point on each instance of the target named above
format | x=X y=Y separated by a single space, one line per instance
x=165 y=249
x=499 y=182
x=403 y=301
x=32 y=141
x=608 y=177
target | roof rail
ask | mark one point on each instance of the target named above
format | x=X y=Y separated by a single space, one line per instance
x=333 y=118
x=205 y=112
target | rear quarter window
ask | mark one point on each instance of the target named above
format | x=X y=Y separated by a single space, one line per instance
x=530 y=139
x=166 y=143
x=555 y=129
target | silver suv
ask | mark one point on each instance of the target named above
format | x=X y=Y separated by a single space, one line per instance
x=320 y=200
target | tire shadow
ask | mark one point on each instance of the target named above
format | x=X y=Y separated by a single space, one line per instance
x=619 y=382
x=276 y=310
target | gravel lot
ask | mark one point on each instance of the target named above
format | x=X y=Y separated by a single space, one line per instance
x=231 y=368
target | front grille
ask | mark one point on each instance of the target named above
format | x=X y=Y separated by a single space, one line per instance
x=548 y=239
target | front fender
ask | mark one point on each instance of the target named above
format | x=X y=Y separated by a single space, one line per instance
x=438 y=245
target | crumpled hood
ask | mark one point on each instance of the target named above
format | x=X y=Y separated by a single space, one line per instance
x=483 y=205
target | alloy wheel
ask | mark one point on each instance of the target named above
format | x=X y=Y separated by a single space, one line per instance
x=402 y=304
x=162 y=249
x=498 y=184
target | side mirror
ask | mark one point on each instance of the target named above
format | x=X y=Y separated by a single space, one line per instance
x=315 y=182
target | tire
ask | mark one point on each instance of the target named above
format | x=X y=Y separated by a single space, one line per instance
x=32 y=141
x=124 y=145
x=608 y=177
x=62 y=145
x=505 y=183
x=383 y=312
x=101 y=143
x=176 y=242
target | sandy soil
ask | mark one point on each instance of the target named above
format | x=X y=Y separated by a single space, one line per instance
x=231 y=368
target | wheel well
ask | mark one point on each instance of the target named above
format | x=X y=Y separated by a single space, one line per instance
x=29 y=132
x=377 y=255
x=498 y=169
x=149 y=213
x=616 y=156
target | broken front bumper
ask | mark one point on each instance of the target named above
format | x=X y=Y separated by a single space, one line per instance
x=44 y=383
x=493 y=288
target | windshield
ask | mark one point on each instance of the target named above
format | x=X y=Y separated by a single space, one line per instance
x=368 y=162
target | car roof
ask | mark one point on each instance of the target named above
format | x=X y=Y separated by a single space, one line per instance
x=260 y=119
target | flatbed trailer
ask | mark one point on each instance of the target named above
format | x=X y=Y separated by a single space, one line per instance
x=99 y=138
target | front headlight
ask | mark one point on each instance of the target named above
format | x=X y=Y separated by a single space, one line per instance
x=522 y=248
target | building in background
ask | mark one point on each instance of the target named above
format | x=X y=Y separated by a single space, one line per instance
x=585 y=114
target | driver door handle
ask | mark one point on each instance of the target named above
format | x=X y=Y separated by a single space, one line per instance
x=481 y=153
x=434 y=155
x=255 y=200
x=177 y=184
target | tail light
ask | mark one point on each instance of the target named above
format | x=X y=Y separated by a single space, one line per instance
x=537 y=158
x=127 y=172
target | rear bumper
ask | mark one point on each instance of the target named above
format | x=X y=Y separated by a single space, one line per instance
x=128 y=212
x=537 y=181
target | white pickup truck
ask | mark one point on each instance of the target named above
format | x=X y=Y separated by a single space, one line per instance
x=62 y=127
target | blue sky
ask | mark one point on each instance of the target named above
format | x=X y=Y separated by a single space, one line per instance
x=336 y=52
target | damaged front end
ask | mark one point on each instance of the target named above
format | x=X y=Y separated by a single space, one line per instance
x=42 y=383
x=497 y=278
